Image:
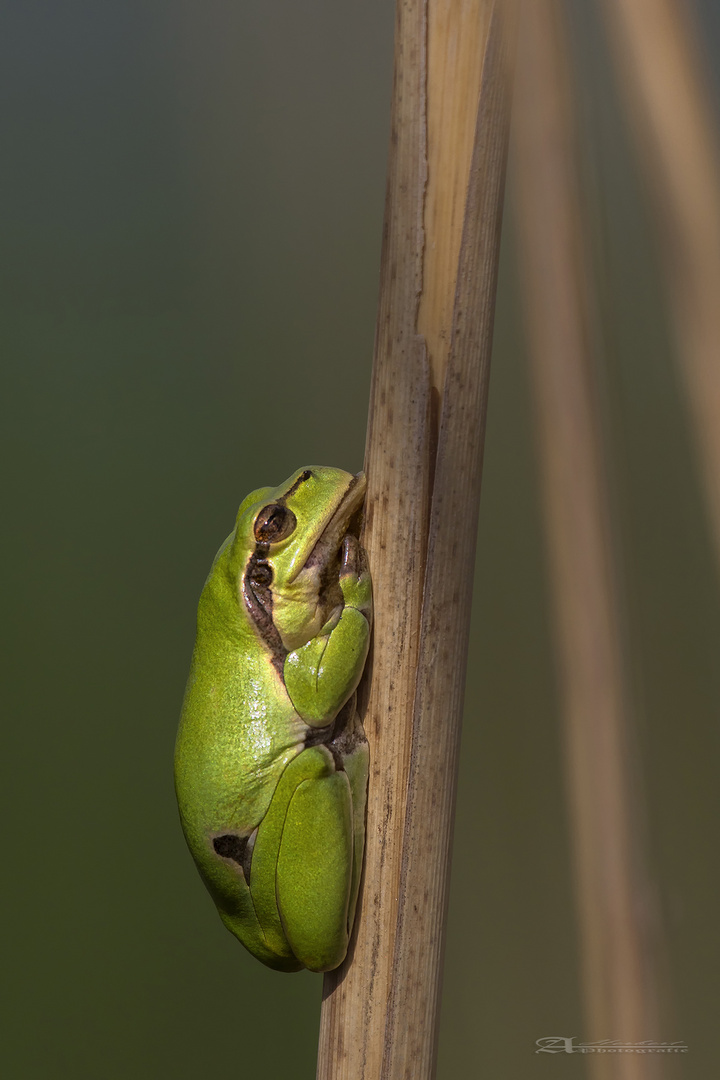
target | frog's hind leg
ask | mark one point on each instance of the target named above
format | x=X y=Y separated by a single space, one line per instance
x=302 y=866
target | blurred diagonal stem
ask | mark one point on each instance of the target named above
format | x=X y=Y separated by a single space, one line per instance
x=675 y=133
x=615 y=904
x=423 y=462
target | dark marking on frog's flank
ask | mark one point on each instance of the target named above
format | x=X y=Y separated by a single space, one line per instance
x=230 y=846
x=237 y=848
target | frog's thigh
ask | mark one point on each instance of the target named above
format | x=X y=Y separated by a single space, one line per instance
x=315 y=869
x=325 y=809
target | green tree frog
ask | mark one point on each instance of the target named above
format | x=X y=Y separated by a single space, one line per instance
x=271 y=761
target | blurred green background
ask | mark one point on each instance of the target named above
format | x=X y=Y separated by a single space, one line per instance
x=192 y=210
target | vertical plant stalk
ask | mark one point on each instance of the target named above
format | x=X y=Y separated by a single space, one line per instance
x=411 y=1033
x=398 y=466
x=675 y=132
x=423 y=462
x=619 y=973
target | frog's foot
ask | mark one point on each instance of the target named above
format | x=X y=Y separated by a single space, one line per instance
x=355 y=577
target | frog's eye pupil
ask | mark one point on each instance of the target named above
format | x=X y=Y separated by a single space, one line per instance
x=274 y=523
x=262 y=573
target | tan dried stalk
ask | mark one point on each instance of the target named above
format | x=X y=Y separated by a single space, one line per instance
x=423 y=462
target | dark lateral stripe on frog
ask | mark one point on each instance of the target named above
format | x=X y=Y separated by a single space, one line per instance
x=258 y=600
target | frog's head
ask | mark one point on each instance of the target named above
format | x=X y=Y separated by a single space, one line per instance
x=288 y=543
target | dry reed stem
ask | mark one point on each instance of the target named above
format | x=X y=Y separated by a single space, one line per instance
x=619 y=975
x=675 y=131
x=440 y=249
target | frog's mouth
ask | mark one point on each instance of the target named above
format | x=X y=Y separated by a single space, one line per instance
x=346 y=519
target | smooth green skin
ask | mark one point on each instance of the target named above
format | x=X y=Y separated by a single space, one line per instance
x=256 y=690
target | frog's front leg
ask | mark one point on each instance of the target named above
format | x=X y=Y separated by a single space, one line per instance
x=321 y=675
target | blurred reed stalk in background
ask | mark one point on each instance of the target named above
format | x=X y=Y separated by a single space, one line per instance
x=675 y=134
x=616 y=908
x=423 y=461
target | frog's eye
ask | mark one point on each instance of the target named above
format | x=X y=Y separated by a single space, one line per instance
x=274 y=522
